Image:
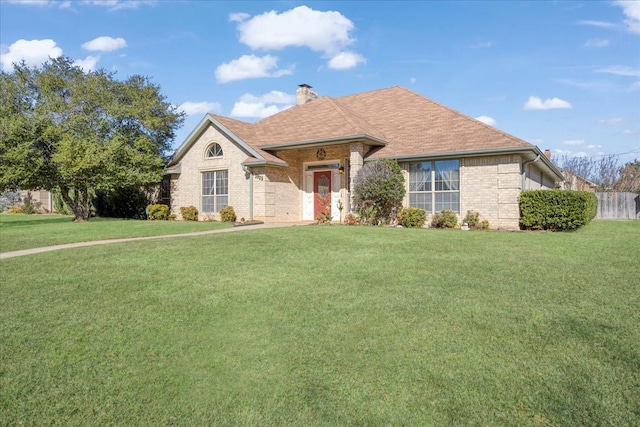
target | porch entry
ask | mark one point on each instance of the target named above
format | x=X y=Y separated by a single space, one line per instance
x=321 y=189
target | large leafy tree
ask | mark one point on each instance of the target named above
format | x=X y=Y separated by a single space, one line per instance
x=75 y=132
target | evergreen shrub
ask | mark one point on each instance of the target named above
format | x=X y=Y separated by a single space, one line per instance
x=158 y=212
x=189 y=213
x=412 y=217
x=556 y=210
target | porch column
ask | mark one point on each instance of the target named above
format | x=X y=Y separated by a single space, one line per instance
x=355 y=161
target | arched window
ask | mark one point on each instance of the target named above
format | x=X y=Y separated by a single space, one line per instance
x=214 y=150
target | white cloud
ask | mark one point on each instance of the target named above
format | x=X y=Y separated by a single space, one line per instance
x=596 y=42
x=574 y=142
x=570 y=153
x=535 y=103
x=482 y=45
x=326 y=32
x=412 y=80
x=620 y=70
x=33 y=52
x=270 y=103
x=487 y=120
x=105 y=44
x=42 y=3
x=253 y=110
x=120 y=4
x=249 y=67
x=599 y=24
x=613 y=121
x=87 y=64
x=346 y=60
x=238 y=17
x=199 y=108
x=631 y=9
x=273 y=97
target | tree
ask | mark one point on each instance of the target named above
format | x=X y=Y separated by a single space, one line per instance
x=378 y=189
x=65 y=130
x=629 y=179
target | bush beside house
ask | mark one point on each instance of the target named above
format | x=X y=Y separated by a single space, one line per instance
x=556 y=210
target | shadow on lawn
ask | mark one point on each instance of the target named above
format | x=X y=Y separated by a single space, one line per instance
x=23 y=222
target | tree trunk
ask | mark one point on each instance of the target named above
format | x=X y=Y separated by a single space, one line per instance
x=79 y=202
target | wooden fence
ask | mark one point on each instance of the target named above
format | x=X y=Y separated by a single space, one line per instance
x=618 y=206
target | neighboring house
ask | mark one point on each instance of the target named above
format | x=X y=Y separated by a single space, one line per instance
x=42 y=198
x=576 y=182
x=292 y=165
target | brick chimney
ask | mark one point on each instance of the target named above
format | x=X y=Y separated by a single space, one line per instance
x=547 y=154
x=305 y=94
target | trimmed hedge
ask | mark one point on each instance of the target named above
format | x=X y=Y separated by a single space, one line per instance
x=556 y=210
x=189 y=213
x=412 y=217
x=158 y=212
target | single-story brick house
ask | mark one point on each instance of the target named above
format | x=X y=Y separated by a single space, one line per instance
x=290 y=166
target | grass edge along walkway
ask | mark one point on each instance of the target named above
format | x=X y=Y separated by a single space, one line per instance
x=42 y=249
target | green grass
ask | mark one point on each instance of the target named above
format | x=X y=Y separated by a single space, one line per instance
x=19 y=232
x=324 y=326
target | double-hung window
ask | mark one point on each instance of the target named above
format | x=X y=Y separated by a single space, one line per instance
x=215 y=190
x=435 y=185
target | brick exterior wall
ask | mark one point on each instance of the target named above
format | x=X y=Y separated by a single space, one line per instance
x=489 y=185
x=186 y=187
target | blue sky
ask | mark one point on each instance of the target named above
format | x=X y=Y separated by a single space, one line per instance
x=564 y=75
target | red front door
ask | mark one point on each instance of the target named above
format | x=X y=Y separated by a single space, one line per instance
x=321 y=193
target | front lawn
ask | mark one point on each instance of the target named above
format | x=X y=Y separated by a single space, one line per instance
x=19 y=232
x=325 y=326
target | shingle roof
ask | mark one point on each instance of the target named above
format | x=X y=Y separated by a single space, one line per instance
x=416 y=125
x=410 y=124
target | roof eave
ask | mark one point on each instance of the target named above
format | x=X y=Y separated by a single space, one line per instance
x=535 y=152
x=265 y=163
x=371 y=140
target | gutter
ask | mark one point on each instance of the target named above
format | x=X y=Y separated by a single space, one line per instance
x=324 y=141
x=524 y=170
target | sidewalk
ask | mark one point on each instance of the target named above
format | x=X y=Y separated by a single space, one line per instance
x=32 y=251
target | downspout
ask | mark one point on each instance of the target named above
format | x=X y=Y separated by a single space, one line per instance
x=524 y=171
x=250 y=172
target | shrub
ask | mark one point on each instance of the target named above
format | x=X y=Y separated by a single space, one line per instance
x=325 y=217
x=556 y=210
x=472 y=218
x=189 y=213
x=15 y=209
x=124 y=202
x=351 y=219
x=378 y=188
x=158 y=212
x=227 y=214
x=412 y=217
x=444 y=219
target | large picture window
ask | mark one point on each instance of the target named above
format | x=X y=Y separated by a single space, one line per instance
x=434 y=186
x=215 y=190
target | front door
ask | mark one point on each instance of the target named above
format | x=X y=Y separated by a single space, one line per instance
x=321 y=193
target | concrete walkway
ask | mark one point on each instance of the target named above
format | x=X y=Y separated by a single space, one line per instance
x=32 y=251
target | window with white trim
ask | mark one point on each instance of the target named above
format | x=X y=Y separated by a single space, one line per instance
x=214 y=150
x=435 y=185
x=215 y=190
